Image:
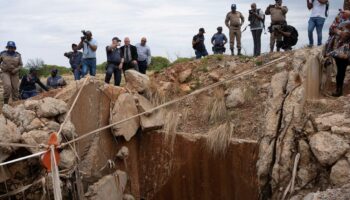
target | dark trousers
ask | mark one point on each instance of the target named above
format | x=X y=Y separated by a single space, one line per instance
x=130 y=65
x=201 y=53
x=341 y=69
x=142 y=66
x=257 y=41
x=112 y=69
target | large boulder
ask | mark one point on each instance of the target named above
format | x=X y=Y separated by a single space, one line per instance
x=35 y=138
x=108 y=187
x=234 y=97
x=8 y=134
x=150 y=121
x=125 y=107
x=326 y=121
x=112 y=92
x=136 y=81
x=328 y=148
x=67 y=159
x=51 y=107
x=20 y=116
x=31 y=104
x=340 y=173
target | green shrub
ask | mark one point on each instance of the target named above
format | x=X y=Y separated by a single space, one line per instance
x=181 y=60
x=158 y=63
x=101 y=68
x=45 y=70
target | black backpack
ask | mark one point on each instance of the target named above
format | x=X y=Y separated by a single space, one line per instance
x=294 y=36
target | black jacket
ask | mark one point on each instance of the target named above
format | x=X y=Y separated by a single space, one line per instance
x=133 y=51
x=28 y=84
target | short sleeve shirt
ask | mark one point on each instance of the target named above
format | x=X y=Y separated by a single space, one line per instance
x=87 y=51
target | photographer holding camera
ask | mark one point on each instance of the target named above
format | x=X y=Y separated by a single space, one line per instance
x=257 y=24
x=219 y=40
x=89 y=46
x=278 y=19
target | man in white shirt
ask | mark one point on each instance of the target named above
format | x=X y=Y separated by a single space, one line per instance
x=144 y=55
x=319 y=13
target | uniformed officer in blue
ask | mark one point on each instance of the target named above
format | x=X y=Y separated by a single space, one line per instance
x=10 y=64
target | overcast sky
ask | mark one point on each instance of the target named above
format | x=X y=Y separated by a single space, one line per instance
x=47 y=28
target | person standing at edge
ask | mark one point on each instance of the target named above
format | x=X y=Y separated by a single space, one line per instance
x=144 y=55
x=198 y=44
x=129 y=53
x=10 y=64
x=319 y=13
x=234 y=21
x=114 y=62
x=278 y=19
x=89 y=46
x=219 y=41
x=75 y=60
x=256 y=19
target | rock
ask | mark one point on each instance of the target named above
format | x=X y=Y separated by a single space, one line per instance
x=124 y=108
x=50 y=107
x=31 y=105
x=19 y=115
x=67 y=159
x=112 y=92
x=185 y=75
x=165 y=86
x=128 y=197
x=307 y=170
x=123 y=153
x=150 y=121
x=234 y=98
x=35 y=124
x=331 y=194
x=53 y=126
x=8 y=112
x=108 y=187
x=340 y=130
x=215 y=76
x=340 y=173
x=326 y=121
x=328 y=148
x=68 y=130
x=185 y=88
x=8 y=134
x=136 y=81
x=281 y=65
x=36 y=137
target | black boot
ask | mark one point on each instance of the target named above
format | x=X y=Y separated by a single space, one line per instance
x=338 y=92
x=239 y=52
x=232 y=52
x=6 y=100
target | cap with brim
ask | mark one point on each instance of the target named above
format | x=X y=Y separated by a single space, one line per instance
x=116 y=38
x=202 y=30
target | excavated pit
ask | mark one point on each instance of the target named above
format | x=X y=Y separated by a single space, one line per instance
x=180 y=168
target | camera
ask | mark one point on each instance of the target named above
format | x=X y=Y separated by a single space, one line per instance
x=84 y=35
x=251 y=12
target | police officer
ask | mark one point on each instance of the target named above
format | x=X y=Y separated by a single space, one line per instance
x=219 y=40
x=278 y=19
x=234 y=21
x=10 y=64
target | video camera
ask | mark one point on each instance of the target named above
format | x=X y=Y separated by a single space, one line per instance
x=251 y=12
x=84 y=37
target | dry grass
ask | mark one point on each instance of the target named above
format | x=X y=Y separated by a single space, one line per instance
x=171 y=121
x=216 y=109
x=154 y=95
x=219 y=137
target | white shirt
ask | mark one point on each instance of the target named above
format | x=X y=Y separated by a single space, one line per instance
x=318 y=10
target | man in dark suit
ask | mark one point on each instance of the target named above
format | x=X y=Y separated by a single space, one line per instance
x=129 y=53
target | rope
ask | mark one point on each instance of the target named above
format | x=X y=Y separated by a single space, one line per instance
x=173 y=101
x=56 y=186
x=22 y=189
x=22 y=158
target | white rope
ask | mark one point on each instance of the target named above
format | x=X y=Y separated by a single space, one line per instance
x=22 y=158
x=56 y=184
x=22 y=189
x=174 y=101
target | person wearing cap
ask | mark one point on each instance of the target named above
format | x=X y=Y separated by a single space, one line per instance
x=10 y=64
x=256 y=19
x=75 y=60
x=114 y=62
x=130 y=55
x=278 y=19
x=144 y=55
x=319 y=13
x=27 y=87
x=234 y=21
x=55 y=81
x=89 y=46
x=198 y=44
x=219 y=40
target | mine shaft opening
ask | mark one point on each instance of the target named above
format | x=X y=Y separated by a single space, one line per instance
x=158 y=170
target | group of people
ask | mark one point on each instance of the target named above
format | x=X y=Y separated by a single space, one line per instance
x=282 y=35
x=138 y=57
x=119 y=58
